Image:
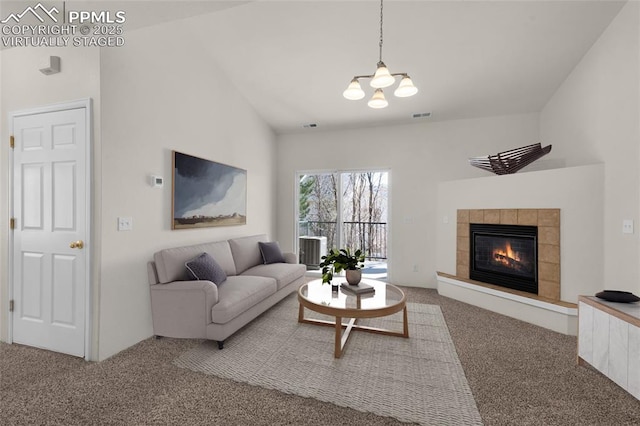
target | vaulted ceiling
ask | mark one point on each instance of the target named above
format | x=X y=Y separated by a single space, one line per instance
x=293 y=59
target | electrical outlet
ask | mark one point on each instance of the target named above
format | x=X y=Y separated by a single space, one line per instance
x=125 y=224
x=627 y=226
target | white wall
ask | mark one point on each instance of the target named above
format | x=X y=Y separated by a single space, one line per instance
x=594 y=117
x=144 y=107
x=157 y=94
x=577 y=191
x=161 y=93
x=418 y=156
x=23 y=86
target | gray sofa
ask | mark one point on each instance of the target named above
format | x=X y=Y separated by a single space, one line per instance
x=200 y=309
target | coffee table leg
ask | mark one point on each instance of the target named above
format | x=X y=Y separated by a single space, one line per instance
x=338 y=339
x=405 y=320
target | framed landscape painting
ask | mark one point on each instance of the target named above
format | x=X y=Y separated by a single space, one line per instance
x=206 y=193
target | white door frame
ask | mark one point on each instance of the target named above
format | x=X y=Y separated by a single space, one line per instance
x=78 y=104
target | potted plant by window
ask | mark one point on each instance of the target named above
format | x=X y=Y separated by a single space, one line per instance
x=338 y=260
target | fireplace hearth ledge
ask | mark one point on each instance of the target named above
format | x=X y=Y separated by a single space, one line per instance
x=553 y=316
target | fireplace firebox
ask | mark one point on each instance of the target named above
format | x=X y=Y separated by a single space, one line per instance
x=504 y=255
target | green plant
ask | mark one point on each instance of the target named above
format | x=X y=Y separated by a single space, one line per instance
x=338 y=260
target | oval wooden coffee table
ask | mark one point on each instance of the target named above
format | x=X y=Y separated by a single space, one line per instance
x=387 y=299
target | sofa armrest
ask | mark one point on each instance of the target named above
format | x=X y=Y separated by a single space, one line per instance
x=152 y=273
x=182 y=308
x=290 y=258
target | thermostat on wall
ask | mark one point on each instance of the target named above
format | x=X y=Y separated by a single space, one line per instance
x=157 y=181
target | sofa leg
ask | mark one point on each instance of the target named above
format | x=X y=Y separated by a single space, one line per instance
x=220 y=344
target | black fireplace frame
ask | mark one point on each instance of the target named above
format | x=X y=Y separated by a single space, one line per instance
x=503 y=279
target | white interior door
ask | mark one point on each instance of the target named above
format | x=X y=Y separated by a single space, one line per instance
x=49 y=207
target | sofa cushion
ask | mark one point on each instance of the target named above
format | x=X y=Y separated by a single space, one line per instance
x=271 y=252
x=205 y=267
x=239 y=293
x=170 y=262
x=283 y=273
x=246 y=252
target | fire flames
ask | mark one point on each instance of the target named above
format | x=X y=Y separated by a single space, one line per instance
x=506 y=255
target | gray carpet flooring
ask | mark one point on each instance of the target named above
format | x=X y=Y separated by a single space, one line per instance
x=519 y=374
x=419 y=379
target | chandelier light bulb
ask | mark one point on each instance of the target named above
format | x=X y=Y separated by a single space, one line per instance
x=406 y=88
x=378 y=101
x=382 y=78
x=354 y=92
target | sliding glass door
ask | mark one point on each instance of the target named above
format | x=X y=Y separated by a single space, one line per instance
x=344 y=210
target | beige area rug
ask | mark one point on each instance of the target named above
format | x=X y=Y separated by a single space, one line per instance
x=418 y=380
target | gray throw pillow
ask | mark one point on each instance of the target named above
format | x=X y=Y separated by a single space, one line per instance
x=271 y=252
x=205 y=267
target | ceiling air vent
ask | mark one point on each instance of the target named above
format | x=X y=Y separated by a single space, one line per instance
x=421 y=115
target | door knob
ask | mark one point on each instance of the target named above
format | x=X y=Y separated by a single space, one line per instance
x=77 y=244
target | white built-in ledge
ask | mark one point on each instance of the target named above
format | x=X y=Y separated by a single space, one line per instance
x=558 y=316
x=609 y=340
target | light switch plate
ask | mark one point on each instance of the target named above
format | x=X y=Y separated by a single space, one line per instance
x=125 y=224
x=627 y=226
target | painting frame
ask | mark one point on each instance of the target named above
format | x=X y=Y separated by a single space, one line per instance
x=205 y=193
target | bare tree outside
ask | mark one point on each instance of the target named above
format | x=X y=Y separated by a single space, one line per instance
x=363 y=215
x=319 y=196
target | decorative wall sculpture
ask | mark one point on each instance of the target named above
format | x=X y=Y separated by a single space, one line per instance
x=511 y=161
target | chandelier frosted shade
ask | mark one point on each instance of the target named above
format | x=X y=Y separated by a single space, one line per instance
x=354 y=92
x=378 y=101
x=382 y=78
x=406 y=88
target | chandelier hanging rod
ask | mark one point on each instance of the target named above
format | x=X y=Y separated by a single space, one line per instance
x=380 y=57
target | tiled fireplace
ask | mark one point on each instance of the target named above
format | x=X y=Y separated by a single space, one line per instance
x=514 y=249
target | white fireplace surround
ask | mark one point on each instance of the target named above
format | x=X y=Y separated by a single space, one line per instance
x=579 y=194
